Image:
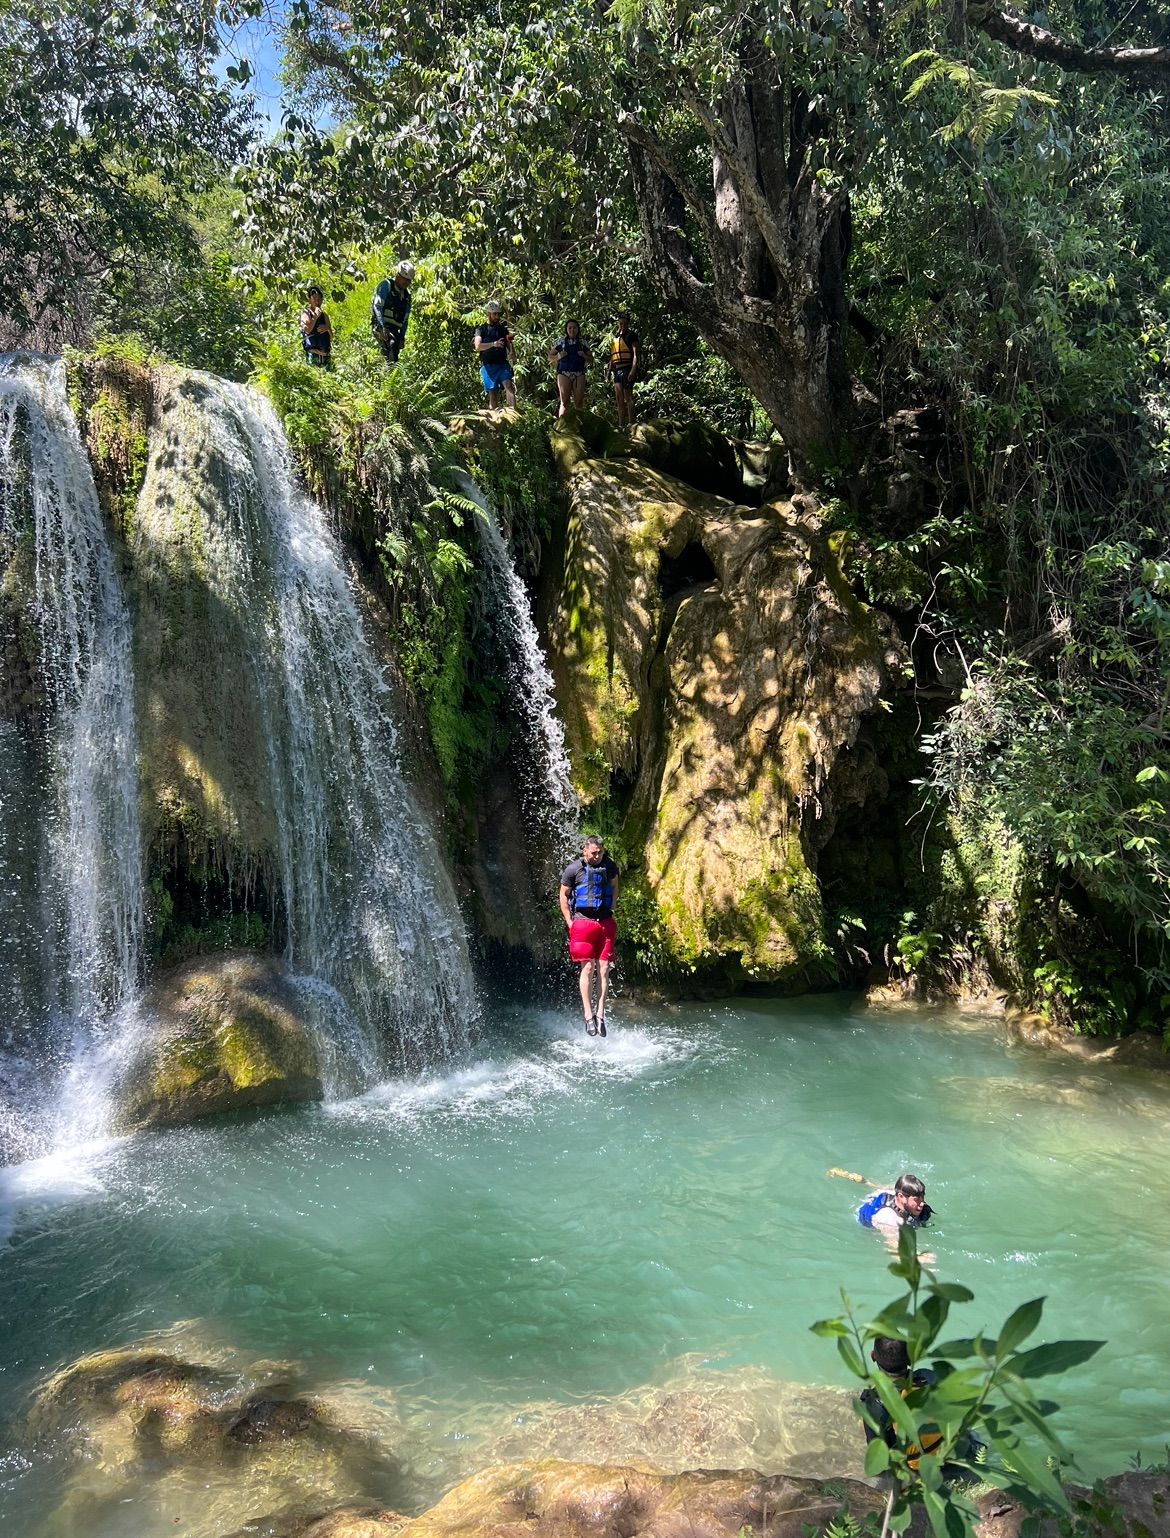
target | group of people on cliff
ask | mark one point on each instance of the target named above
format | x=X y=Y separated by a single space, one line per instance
x=494 y=345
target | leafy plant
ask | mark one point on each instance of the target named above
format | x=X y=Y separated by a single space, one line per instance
x=977 y=1392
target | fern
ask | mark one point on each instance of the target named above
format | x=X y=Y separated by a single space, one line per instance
x=985 y=109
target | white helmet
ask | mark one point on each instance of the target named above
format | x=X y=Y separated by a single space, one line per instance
x=405 y=270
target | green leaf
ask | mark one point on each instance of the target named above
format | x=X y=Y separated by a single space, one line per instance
x=830 y=1328
x=1018 y=1327
x=877 y=1458
x=1057 y=1356
x=851 y=1356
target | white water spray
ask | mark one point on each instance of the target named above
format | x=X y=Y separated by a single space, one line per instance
x=547 y=787
x=85 y=878
x=370 y=910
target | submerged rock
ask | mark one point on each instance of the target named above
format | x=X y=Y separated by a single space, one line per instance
x=572 y=1500
x=714 y=669
x=211 y=1447
x=222 y=1032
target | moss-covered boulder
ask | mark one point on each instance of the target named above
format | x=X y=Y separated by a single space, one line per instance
x=714 y=669
x=223 y=1032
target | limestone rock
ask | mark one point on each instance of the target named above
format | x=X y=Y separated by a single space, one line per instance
x=714 y=669
x=211 y=1447
x=224 y=1032
x=202 y=749
x=575 y=1500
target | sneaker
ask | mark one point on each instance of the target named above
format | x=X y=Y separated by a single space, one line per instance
x=591 y=1027
x=601 y=1031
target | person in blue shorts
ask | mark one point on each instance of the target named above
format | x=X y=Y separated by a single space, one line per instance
x=493 y=343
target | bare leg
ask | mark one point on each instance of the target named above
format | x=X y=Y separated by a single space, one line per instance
x=629 y=405
x=493 y=400
x=579 y=392
x=587 y=990
x=565 y=391
x=509 y=393
x=619 y=396
x=602 y=987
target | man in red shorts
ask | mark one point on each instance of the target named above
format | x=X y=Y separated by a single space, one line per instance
x=588 y=897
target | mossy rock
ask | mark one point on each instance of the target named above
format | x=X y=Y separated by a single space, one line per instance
x=344 y=1522
x=695 y=453
x=713 y=667
x=225 y=1032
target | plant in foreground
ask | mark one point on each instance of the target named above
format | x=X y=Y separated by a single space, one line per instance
x=973 y=1416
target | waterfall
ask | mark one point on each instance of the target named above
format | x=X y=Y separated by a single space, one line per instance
x=72 y=896
x=371 y=914
x=546 y=784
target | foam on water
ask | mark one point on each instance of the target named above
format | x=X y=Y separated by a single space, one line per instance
x=567 y=1065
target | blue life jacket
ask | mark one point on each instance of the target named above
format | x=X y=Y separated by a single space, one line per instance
x=317 y=340
x=594 y=890
x=572 y=355
x=874 y=1204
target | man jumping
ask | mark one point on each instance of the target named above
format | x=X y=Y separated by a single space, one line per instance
x=589 y=889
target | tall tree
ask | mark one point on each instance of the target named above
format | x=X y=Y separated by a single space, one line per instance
x=113 y=113
x=733 y=138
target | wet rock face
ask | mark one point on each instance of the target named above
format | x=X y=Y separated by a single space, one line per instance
x=224 y=1032
x=714 y=669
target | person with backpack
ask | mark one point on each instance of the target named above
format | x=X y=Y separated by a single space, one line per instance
x=493 y=343
x=589 y=888
x=572 y=357
x=390 y=312
x=316 y=331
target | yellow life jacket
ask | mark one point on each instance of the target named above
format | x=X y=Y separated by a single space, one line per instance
x=931 y=1442
x=621 y=354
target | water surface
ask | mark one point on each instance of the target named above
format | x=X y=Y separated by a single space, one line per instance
x=604 y=1247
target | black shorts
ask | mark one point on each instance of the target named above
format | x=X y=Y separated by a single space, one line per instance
x=391 y=344
x=621 y=378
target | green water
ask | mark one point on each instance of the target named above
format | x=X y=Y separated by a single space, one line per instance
x=601 y=1248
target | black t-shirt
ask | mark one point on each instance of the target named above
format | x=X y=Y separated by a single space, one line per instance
x=490 y=332
x=572 y=874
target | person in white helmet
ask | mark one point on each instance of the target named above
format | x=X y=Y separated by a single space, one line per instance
x=493 y=343
x=390 y=312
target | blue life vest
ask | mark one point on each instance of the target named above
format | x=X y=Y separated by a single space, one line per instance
x=317 y=340
x=572 y=355
x=594 y=890
x=870 y=1208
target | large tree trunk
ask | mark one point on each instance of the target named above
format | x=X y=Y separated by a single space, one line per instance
x=757 y=262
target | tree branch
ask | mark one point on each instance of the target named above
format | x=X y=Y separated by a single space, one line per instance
x=1024 y=37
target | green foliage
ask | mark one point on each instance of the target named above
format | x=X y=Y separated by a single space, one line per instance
x=374 y=445
x=175 y=938
x=112 y=117
x=973 y=1415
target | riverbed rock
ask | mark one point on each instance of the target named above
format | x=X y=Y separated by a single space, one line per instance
x=222 y=1032
x=574 y=1500
x=714 y=669
x=212 y=1446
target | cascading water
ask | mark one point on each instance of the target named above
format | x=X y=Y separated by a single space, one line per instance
x=546 y=781
x=79 y=884
x=371 y=915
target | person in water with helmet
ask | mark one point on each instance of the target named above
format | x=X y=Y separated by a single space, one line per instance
x=493 y=343
x=390 y=312
x=888 y=1210
x=316 y=331
x=589 y=889
x=572 y=357
x=624 y=366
